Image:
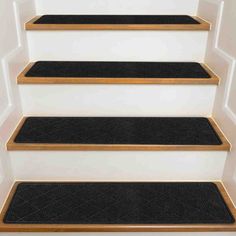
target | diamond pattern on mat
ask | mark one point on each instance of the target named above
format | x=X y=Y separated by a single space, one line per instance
x=116 y=19
x=118 y=130
x=104 y=69
x=117 y=203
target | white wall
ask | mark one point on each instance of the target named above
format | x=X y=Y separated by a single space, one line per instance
x=221 y=56
x=227 y=37
x=14 y=55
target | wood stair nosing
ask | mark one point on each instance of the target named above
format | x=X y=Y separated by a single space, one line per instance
x=13 y=146
x=23 y=79
x=203 y=26
x=119 y=227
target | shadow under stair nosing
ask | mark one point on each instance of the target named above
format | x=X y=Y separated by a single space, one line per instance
x=117 y=22
x=118 y=133
x=117 y=72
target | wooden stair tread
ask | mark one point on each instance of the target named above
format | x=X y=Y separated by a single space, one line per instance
x=105 y=72
x=217 y=198
x=117 y=133
x=117 y=22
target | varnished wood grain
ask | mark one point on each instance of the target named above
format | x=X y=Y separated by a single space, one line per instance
x=214 y=77
x=12 y=146
x=16 y=131
x=119 y=227
x=222 y=137
x=202 y=26
x=22 y=79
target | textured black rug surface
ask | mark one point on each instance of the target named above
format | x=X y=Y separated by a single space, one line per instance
x=116 y=19
x=118 y=203
x=118 y=130
x=117 y=69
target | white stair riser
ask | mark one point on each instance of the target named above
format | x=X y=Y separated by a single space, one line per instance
x=118 y=45
x=117 y=165
x=116 y=7
x=118 y=100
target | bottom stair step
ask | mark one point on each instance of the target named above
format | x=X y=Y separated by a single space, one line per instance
x=118 y=206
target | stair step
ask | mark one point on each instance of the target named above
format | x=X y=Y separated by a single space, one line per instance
x=117 y=22
x=118 y=206
x=117 y=133
x=101 y=72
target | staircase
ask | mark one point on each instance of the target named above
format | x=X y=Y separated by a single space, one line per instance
x=117 y=133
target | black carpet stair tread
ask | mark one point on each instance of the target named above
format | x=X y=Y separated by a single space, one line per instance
x=116 y=19
x=105 y=69
x=118 y=130
x=118 y=203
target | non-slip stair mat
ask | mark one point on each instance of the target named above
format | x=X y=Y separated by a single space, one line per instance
x=117 y=69
x=118 y=130
x=116 y=19
x=118 y=203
